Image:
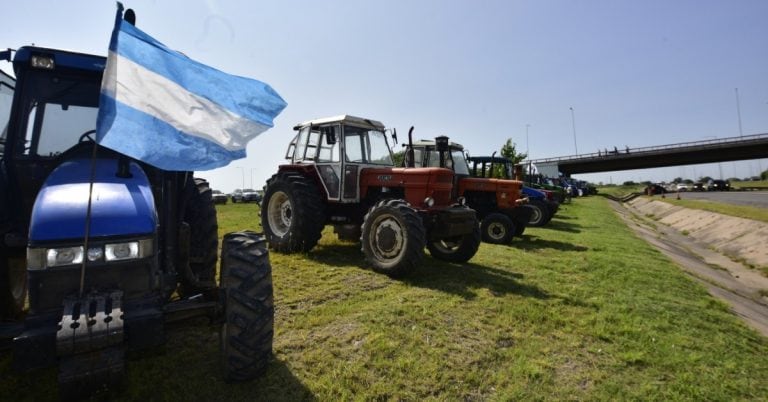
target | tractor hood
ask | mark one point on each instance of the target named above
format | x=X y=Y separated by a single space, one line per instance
x=120 y=206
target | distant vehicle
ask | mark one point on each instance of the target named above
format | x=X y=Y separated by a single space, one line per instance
x=655 y=189
x=682 y=187
x=246 y=195
x=718 y=185
x=699 y=187
x=219 y=197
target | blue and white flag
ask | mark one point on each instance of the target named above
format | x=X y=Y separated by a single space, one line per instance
x=163 y=108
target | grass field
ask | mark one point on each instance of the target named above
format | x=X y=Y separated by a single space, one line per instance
x=580 y=309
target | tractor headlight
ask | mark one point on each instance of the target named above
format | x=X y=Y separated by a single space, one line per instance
x=42 y=258
x=429 y=202
x=128 y=251
x=64 y=256
x=44 y=62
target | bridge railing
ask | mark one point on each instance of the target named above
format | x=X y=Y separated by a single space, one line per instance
x=626 y=150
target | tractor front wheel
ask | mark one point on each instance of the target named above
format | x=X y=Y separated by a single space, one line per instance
x=457 y=249
x=497 y=228
x=246 y=285
x=393 y=238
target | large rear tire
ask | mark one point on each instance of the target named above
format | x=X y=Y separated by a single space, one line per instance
x=200 y=215
x=393 y=238
x=246 y=284
x=13 y=287
x=457 y=249
x=497 y=228
x=292 y=213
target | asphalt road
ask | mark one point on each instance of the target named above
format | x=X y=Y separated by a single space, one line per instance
x=750 y=198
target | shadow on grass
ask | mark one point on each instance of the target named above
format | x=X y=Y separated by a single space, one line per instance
x=339 y=254
x=279 y=384
x=464 y=279
x=557 y=224
x=459 y=279
x=529 y=242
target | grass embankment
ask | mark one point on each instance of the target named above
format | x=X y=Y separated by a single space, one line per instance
x=740 y=211
x=621 y=191
x=580 y=309
x=747 y=184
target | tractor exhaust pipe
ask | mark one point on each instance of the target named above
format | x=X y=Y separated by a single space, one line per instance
x=409 y=156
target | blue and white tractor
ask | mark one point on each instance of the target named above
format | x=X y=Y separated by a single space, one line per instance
x=99 y=252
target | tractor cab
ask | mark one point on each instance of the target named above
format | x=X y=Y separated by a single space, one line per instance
x=339 y=148
x=58 y=99
x=427 y=153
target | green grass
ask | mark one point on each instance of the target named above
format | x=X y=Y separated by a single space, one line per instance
x=579 y=309
x=621 y=191
x=740 y=211
x=739 y=184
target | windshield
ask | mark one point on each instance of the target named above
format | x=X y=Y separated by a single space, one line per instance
x=60 y=111
x=366 y=146
x=459 y=163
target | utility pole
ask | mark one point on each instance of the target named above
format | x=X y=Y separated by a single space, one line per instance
x=738 y=112
x=573 y=122
x=527 y=149
x=242 y=170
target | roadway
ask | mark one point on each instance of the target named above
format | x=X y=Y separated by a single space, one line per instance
x=749 y=198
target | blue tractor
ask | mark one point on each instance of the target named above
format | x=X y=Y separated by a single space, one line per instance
x=83 y=278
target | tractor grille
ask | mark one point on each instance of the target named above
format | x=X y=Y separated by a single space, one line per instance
x=442 y=197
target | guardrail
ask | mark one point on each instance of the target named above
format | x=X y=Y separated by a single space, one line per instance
x=627 y=150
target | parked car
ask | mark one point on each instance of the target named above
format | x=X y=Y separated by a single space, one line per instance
x=681 y=187
x=246 y=195
x=219 y=197
x=699 y=186
x=655 y=189
x=718 y=185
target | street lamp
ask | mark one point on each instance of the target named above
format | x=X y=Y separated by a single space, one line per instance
x=527 y=150
x=242 y=170
x=738 y=112
x=573 y=121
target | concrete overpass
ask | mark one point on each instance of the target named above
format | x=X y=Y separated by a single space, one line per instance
x=686 y=153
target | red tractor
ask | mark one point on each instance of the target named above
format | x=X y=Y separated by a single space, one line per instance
x=500 y=203
x=341 y=173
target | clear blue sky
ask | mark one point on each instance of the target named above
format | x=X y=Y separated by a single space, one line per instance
x=637 y=73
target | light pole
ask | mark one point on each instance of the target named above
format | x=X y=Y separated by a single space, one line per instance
x=573 y=122
x=252 y=169
x=527 y=149
x=242 y=170
x=738 y=112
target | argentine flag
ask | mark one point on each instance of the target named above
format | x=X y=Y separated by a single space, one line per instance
x=162 y=108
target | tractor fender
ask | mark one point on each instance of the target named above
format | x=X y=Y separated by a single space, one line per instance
x=121 y=206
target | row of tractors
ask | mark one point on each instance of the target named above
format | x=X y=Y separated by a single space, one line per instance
x=341 y=172
x=99 y=252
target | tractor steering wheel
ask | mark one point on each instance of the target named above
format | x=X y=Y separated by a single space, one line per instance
x=86 y=136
